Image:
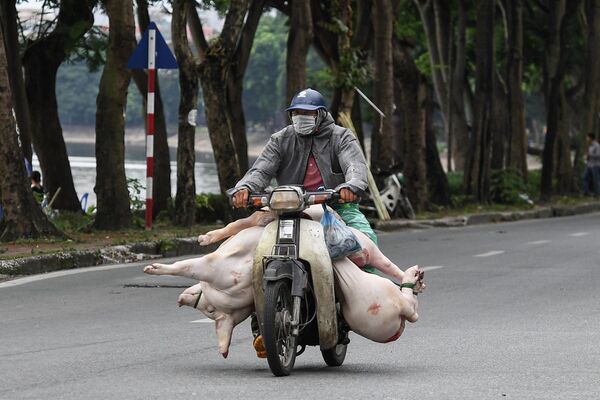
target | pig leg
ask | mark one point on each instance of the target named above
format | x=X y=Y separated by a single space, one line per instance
x=258 y=218
x=197 y=268
x=372 y=256
x=409 y=308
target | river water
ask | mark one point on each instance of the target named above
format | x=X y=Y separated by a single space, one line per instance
x=84 y=176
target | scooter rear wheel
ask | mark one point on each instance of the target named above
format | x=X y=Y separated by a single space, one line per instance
x=279 y=342
x=335 y=356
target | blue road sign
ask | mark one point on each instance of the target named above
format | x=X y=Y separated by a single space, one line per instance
x=164 y=57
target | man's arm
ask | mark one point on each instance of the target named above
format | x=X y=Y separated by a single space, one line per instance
x=264 y=169
x=353 y=164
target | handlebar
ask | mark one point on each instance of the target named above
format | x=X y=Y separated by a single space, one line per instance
x=328 y=196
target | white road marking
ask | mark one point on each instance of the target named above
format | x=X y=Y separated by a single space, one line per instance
x=202 y=321
x=490 y=253
x=432 y=267
x=57 y=274
x=538 y=242
x=579 y=234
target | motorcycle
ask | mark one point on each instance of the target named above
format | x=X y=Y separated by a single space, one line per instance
x=293 y=282
x=393 y=197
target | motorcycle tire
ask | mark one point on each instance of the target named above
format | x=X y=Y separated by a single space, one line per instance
x=335 y=356
x=278 y=340
x=404 y=209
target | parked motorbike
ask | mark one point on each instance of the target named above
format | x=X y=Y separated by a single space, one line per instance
x=293 y=282
x=394 y=198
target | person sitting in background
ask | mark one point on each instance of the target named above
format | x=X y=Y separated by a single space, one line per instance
x=36 y=185
x=592 y=166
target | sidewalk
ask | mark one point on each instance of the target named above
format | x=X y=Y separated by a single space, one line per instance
x=38 y=264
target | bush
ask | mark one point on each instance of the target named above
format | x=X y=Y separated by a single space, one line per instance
x=507 y=186
x=211 y=208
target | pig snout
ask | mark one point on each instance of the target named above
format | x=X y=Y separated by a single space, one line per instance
x=189 y=296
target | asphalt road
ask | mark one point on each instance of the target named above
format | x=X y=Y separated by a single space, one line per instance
x=511 y=311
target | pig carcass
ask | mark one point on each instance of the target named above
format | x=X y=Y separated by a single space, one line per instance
x=373 y=306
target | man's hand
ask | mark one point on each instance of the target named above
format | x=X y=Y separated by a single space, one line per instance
x=347 y=196
x=240 y=198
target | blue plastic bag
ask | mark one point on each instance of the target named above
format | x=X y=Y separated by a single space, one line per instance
x=340 y=240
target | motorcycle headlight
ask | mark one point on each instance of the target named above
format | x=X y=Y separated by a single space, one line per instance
x=285 y=200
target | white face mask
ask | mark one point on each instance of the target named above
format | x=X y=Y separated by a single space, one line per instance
x=304 y=124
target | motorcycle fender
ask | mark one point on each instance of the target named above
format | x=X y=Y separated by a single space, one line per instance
x=264 y=248
x=314 y=251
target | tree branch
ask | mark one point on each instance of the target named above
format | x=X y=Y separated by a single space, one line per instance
x=248 y=32
x=197 y=32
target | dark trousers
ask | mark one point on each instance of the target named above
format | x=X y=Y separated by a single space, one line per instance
x=591 y=179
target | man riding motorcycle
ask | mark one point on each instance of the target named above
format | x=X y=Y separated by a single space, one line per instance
x=314 y=152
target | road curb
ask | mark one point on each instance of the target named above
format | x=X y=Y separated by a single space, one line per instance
x=39 y=264
x=43 y=263
x=487 y=218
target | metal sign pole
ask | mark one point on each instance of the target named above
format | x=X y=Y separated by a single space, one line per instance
x=150 y=125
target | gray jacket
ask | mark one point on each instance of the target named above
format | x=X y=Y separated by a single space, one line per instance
x=593 y=156
x=285 y=157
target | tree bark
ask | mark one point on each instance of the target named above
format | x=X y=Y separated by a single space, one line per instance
x=41 y=62
x=235 y=83
x=111 y=183
x=564 y=166
x=438 y=60
x=459 y=132
x=161 y=189
x=299 y=38
x=477 y=177
x=185 y=200
x=591 y=77
x=555 y=61
x=382 y=157
x=437 y=181
x=15 y=74
x=214 y=71
x=500 y=124
x=23 y=216
x=517 y=143
x=412 y=103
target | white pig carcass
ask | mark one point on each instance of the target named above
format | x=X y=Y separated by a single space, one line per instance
x=372 y=306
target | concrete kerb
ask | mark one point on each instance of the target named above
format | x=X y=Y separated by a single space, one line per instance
x=189 y=246
x=111 y=255
x=486 y=218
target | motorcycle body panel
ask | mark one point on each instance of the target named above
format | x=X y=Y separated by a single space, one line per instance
x=312 y=250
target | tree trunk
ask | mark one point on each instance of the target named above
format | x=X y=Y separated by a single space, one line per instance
x=15 y=74
x=23 y=216
x=555 y=61
x=477 y=177
x=235 y=83
x=591 y=76
x=41 y=62
x=299 y=38
x=185 y=200
x=564 y=166
x=161 y=182
x=437 y=181
x=214 y=73
x=517 y=143
x=460 y=131
x=111 y=183
x=500 y=125
x=437 y=59
x=412 y=105
x=382 y=156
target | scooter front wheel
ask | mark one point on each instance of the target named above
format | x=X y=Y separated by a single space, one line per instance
x=279 y=342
